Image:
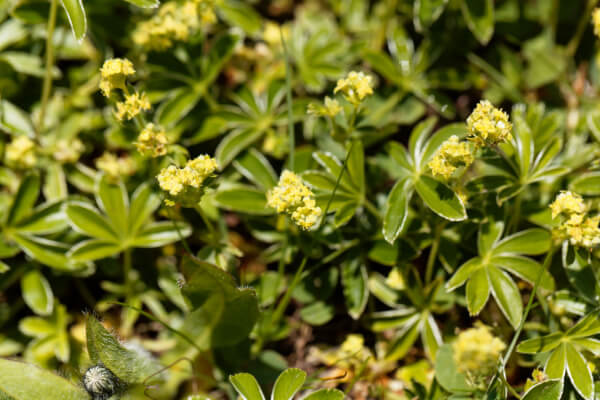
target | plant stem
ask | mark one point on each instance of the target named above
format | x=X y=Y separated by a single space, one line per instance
x=583 y=23
x=434 y=251
x=181 y=238
x=211 y=229
x=513 y=224
x=288 y=95
x=47 y=86
x=127 y=264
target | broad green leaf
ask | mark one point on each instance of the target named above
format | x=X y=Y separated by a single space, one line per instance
x=356 y=165
x=243 y=199
x=556 y=364
x=396 y=210
x=234 y=143
x=586 y=326
x=37 y=292
x=22 y=381
x=325 y=394
x=356 y=292
x=426 y=12
x=221 y=50
x=431 y=337
x=143 y=203
x=238 y=13
x=589 y=344
x=144 y=3
x=333 y=166
x=523 y=140
x=288 y=384
x=247 y=387
x=446 y=372
x=399 y=154
x=418 y=138
x=488 y=236
x=525 y=268
x=157 y=234
x=463 y=273
x=24 y=200
x=198 y=324
x=55 y=184
x=94 y=249
x=531 y=241
x=404 y=341
x=479 y=16
x=46 y=251
x=548 y=390
x=587 y=184
x=579 y=372
x=11 y=31
x=76 y=15
x=254 y=166
x=345 y=213
x=507 y=295
x=178 y=105
x=580 y=272
x=86 y=219
x=14 y=120
x=478 y=291
x=239 y=316
x=440 y=198
x=128 y=365
x=320 y=180
x=540 y=344
x=317 y=313
x=113 y=199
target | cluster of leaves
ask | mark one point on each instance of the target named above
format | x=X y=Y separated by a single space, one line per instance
x=371 y=299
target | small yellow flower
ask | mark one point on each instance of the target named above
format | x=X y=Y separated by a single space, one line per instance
x=115 y=167
x=488 y=125
x=114 y=72
x=184 y=185
x=152 y=141
x=568 y=203
x=355 y=87
x=273 y=31
x=293 y=197
x=331 y=108
x=68 y=151
x=476 y=353
x=450 y=156
x=21 y=153
x=596 y=21
x=133 y=105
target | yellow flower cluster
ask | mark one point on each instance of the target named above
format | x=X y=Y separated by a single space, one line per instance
x=68 y=151
x=450 y=156
x=20 y=153
x=273 y=31
x=114 y=72
x=331 y=108
x=295 y=198
x=355 y=87
x=184 y=185
x=488 y=125
x=476 y=353
x=152 y=141
x=133 y=105
x=581 y=229
x=596 y=21
x=115 y=167
x=174 y=21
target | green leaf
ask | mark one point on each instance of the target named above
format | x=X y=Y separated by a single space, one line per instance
x=438 y=138
x=356 y=291
x=333 y=166
x=325 y=394
x=587 y=184
x=37 y=292
x=356 y=165
x=239 y=316
x=525 y=268
x=404 y=340
x=76 y=15
x=556 y=364
x=55 y=184
x=579 y=372
x=396 y=210
x=488 y=236
x=113 y=199
x=446 y=372
x=548 y=390
x=463 y=273
x=431 y=337
x=254 y=166
x=143 y=204
x=178 y=105
x=86 y=219
x=317 y=313
x=288 y=384
x=234 y=143
x=247 y=387
x=238 y=13
x=507 y=295
x=580 y=272
x=479 y=16
x=157 y=234
x=144 y=3
x=14 y=120
x=128 y=365
x=418 y=138
x=46 y=251
x=22 y=381
x=426 y=12
x=478 y=291
x=540 y=344
x=244 y=199
x=93 y=249
x=24 y=200
x=440 y=198
x=531 y=241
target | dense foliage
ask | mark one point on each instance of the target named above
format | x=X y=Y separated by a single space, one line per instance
x=391 y=199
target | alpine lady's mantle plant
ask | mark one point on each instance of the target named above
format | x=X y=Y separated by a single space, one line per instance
x=400 y=198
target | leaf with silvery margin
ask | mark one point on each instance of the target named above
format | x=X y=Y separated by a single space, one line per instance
x=247 y=386
x=24 y=199
x=437 y=139
x=579 y=372
x=14 y=120
x=76 y=16
x=396 y=210
x=547 y=390
x=325 y=394
x=507 y=295
x=587 y=184
x=256 y=168
x=47 y=252
x=144 y=3
x=37 y=292
x=288 y=383
x=244 y=199
x=114 y=201
x=440 y=198
x=88 y=220
x=580 y=272
x=354 y=281
x=238 y=13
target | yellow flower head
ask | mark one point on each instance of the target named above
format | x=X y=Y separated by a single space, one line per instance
x=113 y=73
x=152 y=141
x=68 y=151
x=476 y=353
x=273 y=31
x=331 y=108
x=488 y=125
x=450 y=156
x=20 y=153
x=355 y=87
x=293 y=197
x=184 y=185
x=568 y=203
x=596 y=21
x=133 y=105
x=115 y=167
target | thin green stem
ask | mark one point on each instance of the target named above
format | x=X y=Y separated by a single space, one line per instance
x=181 y=237
x=288 y=95
x=209 y=225
x=434 y=251
x=513 y=224
x=372 y=209
x=579 y=31
x=509 y=387
x=47 y=85
x=127 y=265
